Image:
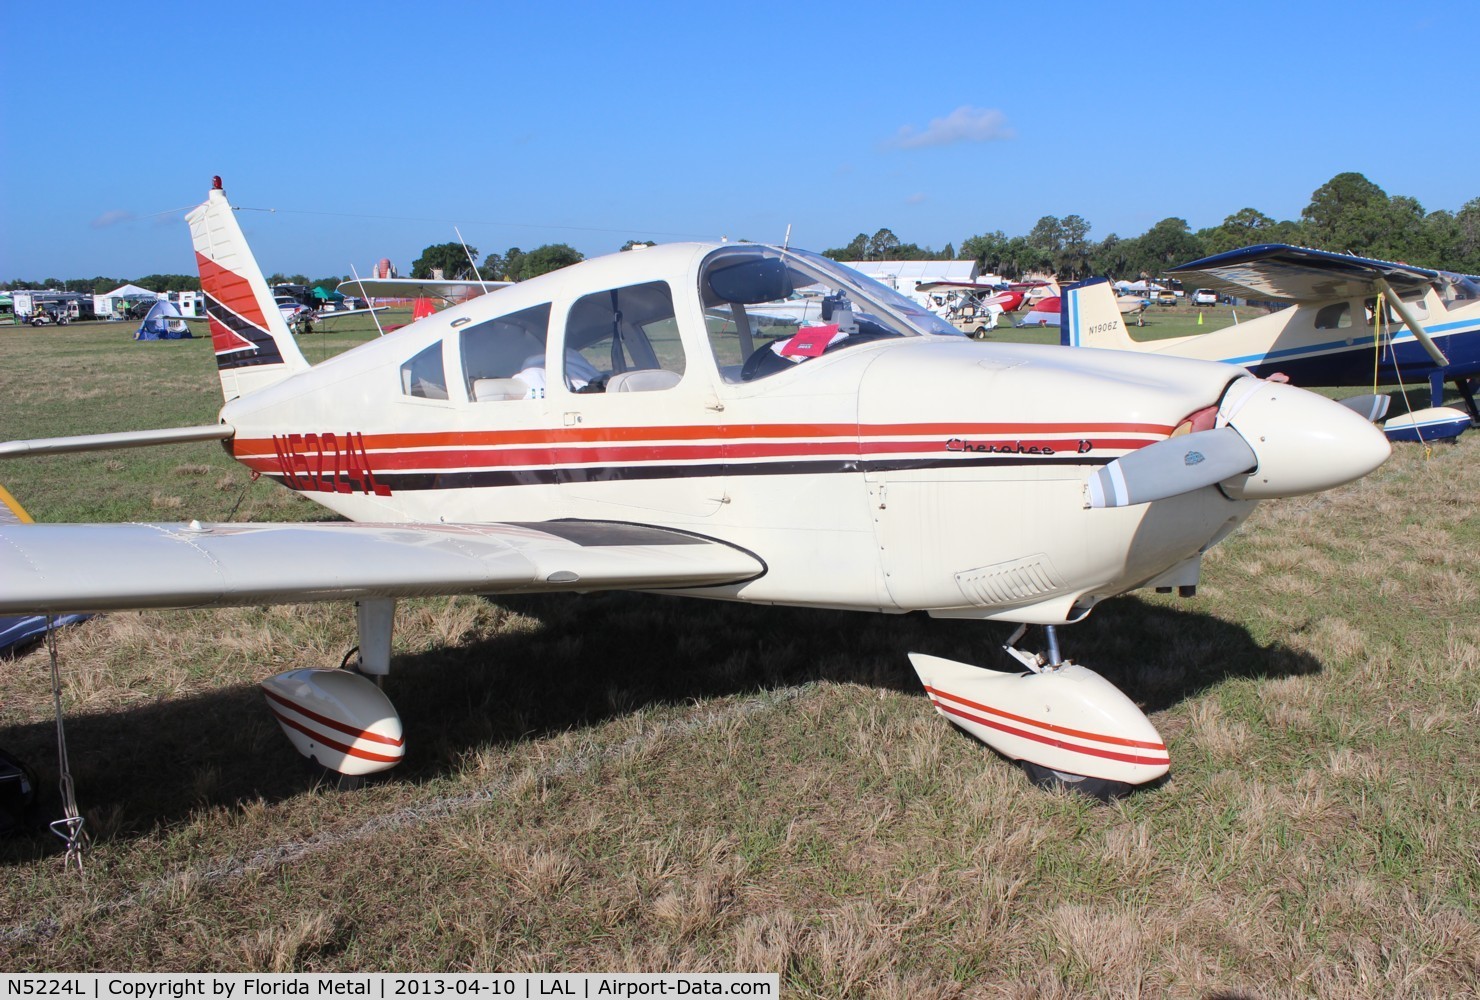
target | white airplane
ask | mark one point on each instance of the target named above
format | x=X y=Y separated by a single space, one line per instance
x=1429 y=327
x=877 y=460
x=449 y=291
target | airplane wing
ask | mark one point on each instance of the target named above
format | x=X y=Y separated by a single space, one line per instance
x=411 y=288
x=66 y=568
x=319 y=317
x=1286 y=273
x=970 y=286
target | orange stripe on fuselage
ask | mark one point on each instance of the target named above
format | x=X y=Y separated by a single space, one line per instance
x=817 y=435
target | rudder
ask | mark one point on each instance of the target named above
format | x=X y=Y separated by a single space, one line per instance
x=253 y=345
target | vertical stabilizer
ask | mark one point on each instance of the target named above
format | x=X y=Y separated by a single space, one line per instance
x=253 y=345
x=1091 y=318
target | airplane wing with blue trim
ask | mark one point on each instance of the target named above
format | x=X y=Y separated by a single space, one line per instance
x=1281 y=272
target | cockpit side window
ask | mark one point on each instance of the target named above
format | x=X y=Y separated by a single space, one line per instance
x=623 y=340
x=423 y=376
x=768 y=309
x=1391 y=316
x=504 y=357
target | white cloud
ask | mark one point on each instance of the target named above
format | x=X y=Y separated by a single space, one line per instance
x=915 y=199
x=113 y=218
x=965 y=124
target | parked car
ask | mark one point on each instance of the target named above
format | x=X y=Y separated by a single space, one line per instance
x=297 y=315
x=1205 y=297
x=291 y=308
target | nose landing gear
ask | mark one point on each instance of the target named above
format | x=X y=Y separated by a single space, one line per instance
x=1065 y=724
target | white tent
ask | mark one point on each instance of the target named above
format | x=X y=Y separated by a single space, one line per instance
x=904 y=275
x=130 y=292
x=108 y=304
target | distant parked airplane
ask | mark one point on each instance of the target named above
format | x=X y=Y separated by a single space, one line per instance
x=1427 y=329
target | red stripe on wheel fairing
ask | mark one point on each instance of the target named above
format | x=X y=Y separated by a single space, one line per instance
x=345 y=728
x=344 y=748
x=1052 y=741
x=1065 y=730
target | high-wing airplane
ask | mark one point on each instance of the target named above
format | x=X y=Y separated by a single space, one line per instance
x=622 y=424
x=1428 y=328
x=449 y=291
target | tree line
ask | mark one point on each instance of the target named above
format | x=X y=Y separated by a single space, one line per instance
x=157 y=283
x=1347 y=214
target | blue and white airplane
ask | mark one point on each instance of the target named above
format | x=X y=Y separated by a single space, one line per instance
x=1427 y=328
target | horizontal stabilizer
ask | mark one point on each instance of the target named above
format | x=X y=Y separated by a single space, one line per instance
x=116 y=439
x=1168 y=468
x=1280 y=272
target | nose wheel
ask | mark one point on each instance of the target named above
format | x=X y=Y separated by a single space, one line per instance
x=1065 y=724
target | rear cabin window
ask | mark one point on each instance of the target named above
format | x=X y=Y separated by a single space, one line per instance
x=423 y=375
x=1336 y=316
x=504 y=358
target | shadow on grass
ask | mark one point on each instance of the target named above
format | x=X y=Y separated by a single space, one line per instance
x=591 y=659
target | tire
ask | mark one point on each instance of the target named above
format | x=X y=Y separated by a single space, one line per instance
x=1100 y=789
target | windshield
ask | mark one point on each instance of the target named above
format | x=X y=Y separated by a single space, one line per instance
x=1461 y=287
x=768 y=309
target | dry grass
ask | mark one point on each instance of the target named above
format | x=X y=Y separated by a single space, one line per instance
x=692 y=791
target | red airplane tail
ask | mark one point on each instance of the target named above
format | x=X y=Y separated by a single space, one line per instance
x=253 y=345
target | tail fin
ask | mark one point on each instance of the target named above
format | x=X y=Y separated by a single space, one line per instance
x=254 y=347
x=1091 y=318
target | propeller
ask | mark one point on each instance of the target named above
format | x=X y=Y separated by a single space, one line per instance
x=1167 y=468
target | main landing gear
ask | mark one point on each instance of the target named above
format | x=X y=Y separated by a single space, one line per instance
x=340 y=719
x=1065 y=724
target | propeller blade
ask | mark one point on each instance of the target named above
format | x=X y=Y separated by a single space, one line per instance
x=1177 y=465
x=1373 y=408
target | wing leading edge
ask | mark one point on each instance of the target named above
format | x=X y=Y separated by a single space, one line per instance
x=1282 y=272
x=66 y=568
x=409 y=288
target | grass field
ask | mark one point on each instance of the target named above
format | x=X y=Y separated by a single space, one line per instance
x=626 y=782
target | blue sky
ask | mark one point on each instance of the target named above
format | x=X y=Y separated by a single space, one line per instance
x=374 y=128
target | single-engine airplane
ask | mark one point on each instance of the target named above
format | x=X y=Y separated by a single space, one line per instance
x=1428 y=328
x=622 y=424
x=447 y=290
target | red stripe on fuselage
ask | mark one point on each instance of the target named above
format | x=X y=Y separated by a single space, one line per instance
x=615 y=454
x=846 y=436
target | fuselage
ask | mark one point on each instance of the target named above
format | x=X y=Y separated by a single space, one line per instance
x=1343 y=342
x=890 y=472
